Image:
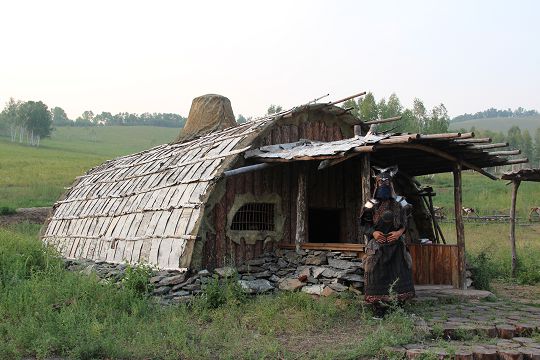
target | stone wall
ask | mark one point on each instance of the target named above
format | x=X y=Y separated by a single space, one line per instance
x=315 y=272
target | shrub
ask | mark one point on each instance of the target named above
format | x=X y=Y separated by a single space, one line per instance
x=137 y=279
x=482 y=269
x=528 y=270
x=6 y=210
x=217 y=293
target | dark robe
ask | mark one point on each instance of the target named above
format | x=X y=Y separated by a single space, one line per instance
x=388 y=264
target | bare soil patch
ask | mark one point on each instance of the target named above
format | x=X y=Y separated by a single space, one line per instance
x=528 y=294
x=36 y=215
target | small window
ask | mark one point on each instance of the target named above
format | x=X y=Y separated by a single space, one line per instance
x=254 y=216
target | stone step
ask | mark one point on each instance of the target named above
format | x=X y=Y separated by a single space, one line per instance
x=517 y=348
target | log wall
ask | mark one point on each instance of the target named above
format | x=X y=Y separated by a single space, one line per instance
x=326 y=189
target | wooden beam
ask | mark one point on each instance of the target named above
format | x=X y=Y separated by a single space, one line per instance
x=515 y=161
x=438 y=153
x=301 y=208
x=400 y=139
x=505 y=153
x=249 y=168
x=460 y=229
x=441 y=136
x=347 y=98
x=515 y=186
x=383 y=121
x=365 y=178
x=491 y=146
x=473 y=140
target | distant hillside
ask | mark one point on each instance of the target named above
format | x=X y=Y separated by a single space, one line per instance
x=530 y=123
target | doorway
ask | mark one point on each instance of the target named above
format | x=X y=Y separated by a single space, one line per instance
x=324 y=225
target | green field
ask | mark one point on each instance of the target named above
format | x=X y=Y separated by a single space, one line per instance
x=486 y=196
x=498 y=124
x=37 y=176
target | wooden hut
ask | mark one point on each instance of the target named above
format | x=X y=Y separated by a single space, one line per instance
x=223 y=194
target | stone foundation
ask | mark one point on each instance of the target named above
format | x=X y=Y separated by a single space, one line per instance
x=321 y=273
x=315 y=272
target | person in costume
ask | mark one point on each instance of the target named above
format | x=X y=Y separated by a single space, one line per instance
x=388 y=264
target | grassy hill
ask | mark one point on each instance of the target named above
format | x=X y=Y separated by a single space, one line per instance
x=497 y=124
x=37 y=176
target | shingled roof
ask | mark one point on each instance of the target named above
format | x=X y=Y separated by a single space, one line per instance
x=145 y=207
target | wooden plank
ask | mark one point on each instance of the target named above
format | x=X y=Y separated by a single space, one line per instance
x=326 y=246
x=154 y=251
x=164 y=252
x=136 y=254
x=128 y=251
x=177 y=249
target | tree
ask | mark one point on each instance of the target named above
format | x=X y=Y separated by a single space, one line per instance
x=368 y=108
x=353 y=105
x=274 y=109
x=11 y=117
x=420 y=117
x=438 y=121
x=515 y=139
x=59 y=117
x=537 y=146
x=104 y=118
x=527 y=145
x=241 y=119
x=36 y=120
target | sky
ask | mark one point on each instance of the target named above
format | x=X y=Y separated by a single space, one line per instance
x=156 y=56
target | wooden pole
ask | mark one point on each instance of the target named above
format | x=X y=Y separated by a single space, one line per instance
x=365 y=174
x=515 y=186
x=301 y=208
x=460 y=230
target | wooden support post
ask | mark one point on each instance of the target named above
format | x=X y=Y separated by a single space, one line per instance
x=460 y=231
x=301 y=208
x=365 y=171
x=515 y=186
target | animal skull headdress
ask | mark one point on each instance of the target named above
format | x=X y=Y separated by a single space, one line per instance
x=383 y=177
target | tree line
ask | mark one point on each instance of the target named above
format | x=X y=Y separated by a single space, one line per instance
x=417 y=119
x=493 y=113
x=88 y=118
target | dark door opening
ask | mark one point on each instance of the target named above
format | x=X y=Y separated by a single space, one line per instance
x=324 y=225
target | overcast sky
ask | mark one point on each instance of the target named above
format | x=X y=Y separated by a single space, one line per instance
x=155 y=56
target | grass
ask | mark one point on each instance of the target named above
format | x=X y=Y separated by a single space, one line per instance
x=492 y=242
x=484 y=195
x=38 y=176
x=48 y=311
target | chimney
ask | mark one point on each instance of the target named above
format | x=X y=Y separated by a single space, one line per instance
x=208 y=113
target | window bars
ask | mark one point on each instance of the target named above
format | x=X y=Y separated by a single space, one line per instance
x=254 y=216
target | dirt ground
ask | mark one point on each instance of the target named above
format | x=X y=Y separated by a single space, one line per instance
x=529 y=294
x=36 y=215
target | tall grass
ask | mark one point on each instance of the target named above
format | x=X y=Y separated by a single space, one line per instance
x=491 y=243
x=48 y=311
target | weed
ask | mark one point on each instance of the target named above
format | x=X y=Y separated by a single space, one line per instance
x=6 y=210
x=482 y=270
x=137 y=279
x=219 y=292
